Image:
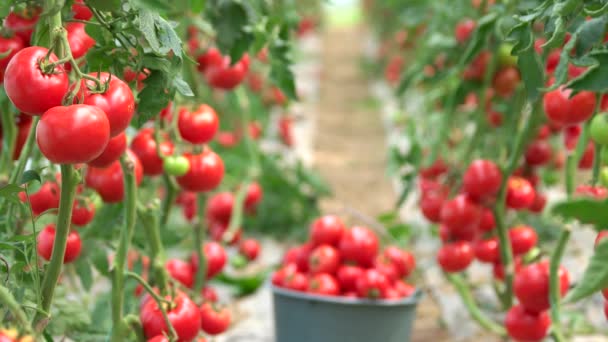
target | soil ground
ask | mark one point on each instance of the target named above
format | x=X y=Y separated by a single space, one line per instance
x=350 y=150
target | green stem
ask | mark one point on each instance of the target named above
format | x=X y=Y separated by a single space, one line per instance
x=236 y=217
x=472 y=307
x=199 y=229
x=444 y=126
x=506 y=253
x=168 y=200
x=7 y=299
x=597 y=164
x=25 y=153
x=9 y=130
x=554 y=283
x=570 y=171
x=69 y=180
x=157 y=253
x=133 y=322
x=160 y=302
x=120 y=260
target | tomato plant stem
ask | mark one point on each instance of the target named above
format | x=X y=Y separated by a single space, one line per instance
x=169 y=199
x=597 y=164
x=25 y=153
x=159 y=302
x=554 y=283
x=506 y=254
x=9 y=302
x=9 y=131
x=69 y=180
x=120 y=259
x=149 y=221
x=472 y=307
x=199 y=229
x=133 y=322
x=236 y=217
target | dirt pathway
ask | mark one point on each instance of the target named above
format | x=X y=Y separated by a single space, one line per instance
x=350 y=150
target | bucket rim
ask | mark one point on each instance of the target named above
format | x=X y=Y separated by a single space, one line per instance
x=411 y=300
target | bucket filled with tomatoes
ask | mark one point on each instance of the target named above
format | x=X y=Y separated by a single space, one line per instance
x=340 y=286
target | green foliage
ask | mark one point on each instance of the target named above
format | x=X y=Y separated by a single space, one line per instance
x=585 y=210
x=595 y=277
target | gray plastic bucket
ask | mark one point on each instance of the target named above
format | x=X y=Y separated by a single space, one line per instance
x=302 y=317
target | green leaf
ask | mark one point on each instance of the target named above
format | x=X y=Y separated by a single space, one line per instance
x=83 y=269
x=104 y=5
x=595 y=277
x=30 y=175
x=585 y=210
x=531 y=72
x=561 y=71
x=197 y=5
x=596 y=77
x=168 y=37
x=152 y=5
x=182 y=87
x=230 y=20
x=590 y=33
x=485 y=26
x=9 y=190
x=148 y=29
x=153 y=98
x=521 y=35
x=558 y=35
x=99 y=259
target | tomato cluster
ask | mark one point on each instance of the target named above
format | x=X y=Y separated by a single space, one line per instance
x=341 y=261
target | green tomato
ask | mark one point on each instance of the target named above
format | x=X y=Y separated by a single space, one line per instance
x=239 y=261
x=504 y=55
x=604 y=176
x=176 y=166
x=599 y=129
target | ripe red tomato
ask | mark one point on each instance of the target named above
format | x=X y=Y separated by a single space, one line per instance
x=211 y=57
x=482 y=179
x=487 y=222
x=115 y=148
x=461 y=216
x=81 y=11
x=464 y=29
x=404 y=289
x=404 y=261
x=563 y=110
x=327 y=230
x=431 y=204
x=205 y=174
x=25 y=68
x=525 y=326
x=73 y=134
x=215 y=256
x=21 y=25
x=219 y=207
x=225 y=75
x=109 y=182
x=117 y=101
x=46 y=239
x=359 y=244
x=255 y=130
x=198 y=126
x=438 y=168
x=214 y=321
x=227 y=139
x=393 y=69
x=82 y=212
x=209 y=294
x=538 y=153
x=296 y=281
x=46 y=198
x=323 y=284
x=372 y=284
x=601 y=236
x=180 y=271
x=586 y=161
x=13 y=44
x=506 y=81
x=303 y=255
x=253 y=197
x=144 y=146
x=279 y=276
x=24 y=123
x=523 y=239
x=250 y=248
x=455 y=256
x=477 y=69
x=539 y=203
x=487 y=250
x=520 y=193
x=80 y=42
x=184 y=316
x=347 y=276
x=531 y=286
x=285 y=130
x=383 y=265
x=324 y=259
